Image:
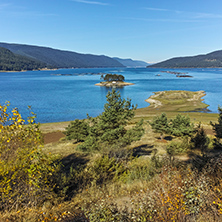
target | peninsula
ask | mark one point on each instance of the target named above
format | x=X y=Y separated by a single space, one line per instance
x=173 y=102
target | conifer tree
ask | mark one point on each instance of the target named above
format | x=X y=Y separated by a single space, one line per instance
x=78 y=130
x=217 y=127
x=181 y=126
x=108 y=129
x=160 y=124
x=201 y=140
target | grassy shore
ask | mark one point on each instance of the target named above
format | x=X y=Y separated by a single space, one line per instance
x=170 y=102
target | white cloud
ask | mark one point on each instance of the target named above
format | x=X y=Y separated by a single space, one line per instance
x=192 y=15
x=157 y=9
x=161 y=19
x=206 y=15
x=90 y=2
x=2 y=6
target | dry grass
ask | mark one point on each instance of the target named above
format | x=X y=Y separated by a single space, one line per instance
x=175 y=102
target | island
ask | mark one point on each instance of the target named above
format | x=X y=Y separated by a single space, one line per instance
x=113 y=80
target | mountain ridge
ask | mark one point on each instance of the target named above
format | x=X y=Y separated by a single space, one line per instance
x=131 y=63
x=57 y=58
x=209 y=60
x=12 y=62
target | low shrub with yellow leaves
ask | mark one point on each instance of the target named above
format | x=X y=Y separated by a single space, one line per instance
x=24 y=169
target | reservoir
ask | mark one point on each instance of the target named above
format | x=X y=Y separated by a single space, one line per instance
x=68 y=94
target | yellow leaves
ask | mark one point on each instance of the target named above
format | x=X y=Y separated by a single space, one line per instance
x=20 y=144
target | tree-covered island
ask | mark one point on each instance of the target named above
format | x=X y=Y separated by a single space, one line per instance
x=113 y=80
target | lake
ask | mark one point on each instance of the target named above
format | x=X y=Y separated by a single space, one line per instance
x=68 y=94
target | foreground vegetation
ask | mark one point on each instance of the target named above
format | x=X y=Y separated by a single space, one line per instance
x=165 y=168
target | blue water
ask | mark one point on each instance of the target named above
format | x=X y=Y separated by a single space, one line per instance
x=56 y=98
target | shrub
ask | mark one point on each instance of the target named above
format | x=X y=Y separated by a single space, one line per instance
x=25 y=171
x=77 y=130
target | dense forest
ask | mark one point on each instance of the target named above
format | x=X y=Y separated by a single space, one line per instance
x=210 y=60
x=11 y=62
x=60 y=58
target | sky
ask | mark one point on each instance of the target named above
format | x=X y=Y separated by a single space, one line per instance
x=148 y=30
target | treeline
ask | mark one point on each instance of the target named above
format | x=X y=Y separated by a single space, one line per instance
x=112 y=77
x=12 y=62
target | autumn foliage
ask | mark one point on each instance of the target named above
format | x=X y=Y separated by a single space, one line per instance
x=24 y=169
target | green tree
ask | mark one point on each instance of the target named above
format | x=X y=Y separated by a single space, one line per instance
x=217 y=127
x=160 y=124
x=108 y=129
x=78 y=130
x=201 y=140
x=181 y=126
x=113 y=77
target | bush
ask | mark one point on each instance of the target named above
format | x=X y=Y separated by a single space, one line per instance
x=77 y=130
x=25 y=171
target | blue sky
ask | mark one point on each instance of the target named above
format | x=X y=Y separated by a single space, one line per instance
x=148 y=30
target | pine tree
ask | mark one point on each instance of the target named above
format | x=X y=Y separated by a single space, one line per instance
x=160 y=124
x=217 y=127
x=201 y=140
x=181 y=126
x=108 y=129
x=78 y=130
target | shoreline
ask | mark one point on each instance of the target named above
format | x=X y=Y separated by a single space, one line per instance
x=114 y=84
x=178 y=100
x=44 y=69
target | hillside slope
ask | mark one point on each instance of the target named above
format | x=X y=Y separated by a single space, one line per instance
x=61 y=59
x=11 y=62
x=131 y=63
x=210 y=60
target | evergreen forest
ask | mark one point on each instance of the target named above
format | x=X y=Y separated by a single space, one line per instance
x=12 y=62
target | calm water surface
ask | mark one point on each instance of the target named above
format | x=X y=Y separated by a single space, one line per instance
x=56 y=97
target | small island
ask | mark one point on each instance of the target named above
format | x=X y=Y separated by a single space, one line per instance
x=113 y=80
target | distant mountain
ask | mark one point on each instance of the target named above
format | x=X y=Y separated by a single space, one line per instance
x=12 y=62
x=211 y=60
x=61 y=59
x=131 y=63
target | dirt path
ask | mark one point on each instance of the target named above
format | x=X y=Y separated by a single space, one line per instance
x=53 y=137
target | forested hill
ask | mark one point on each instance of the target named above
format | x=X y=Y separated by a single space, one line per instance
x=11 y=62
x=131 y=63
x=61 y=59
x=211 y=60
